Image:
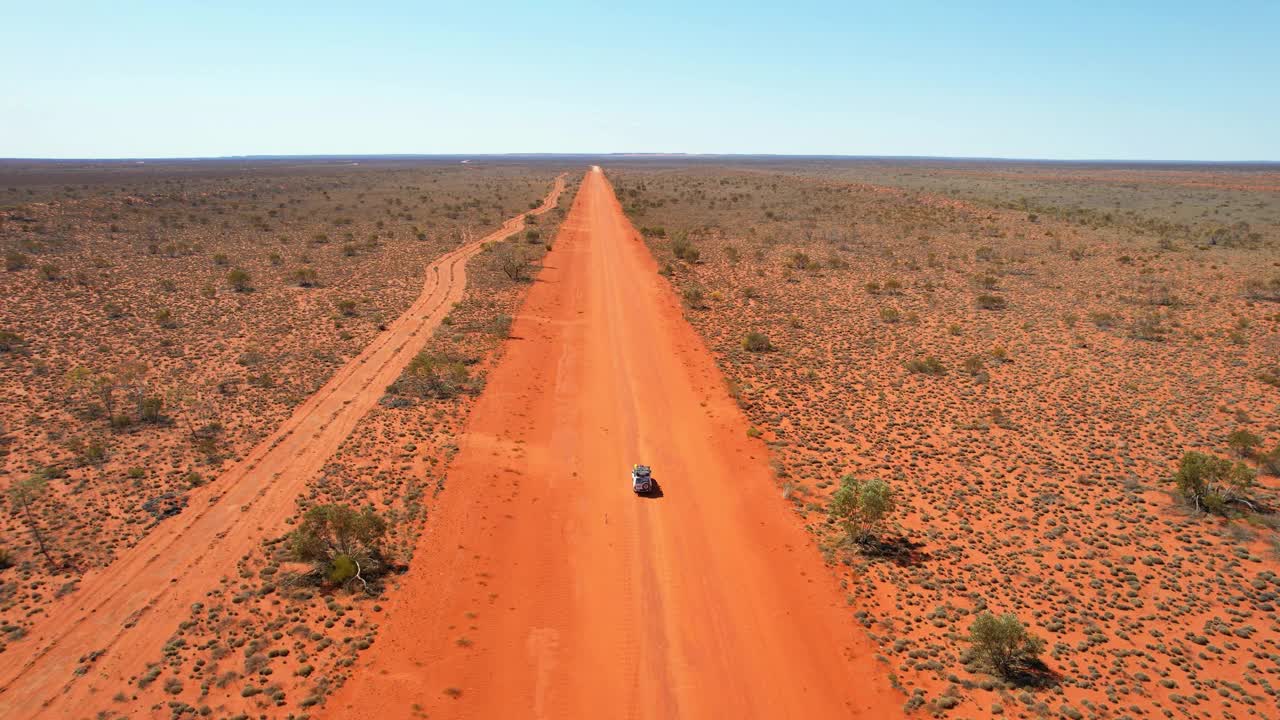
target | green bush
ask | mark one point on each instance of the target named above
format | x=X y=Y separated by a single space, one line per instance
x=239 y=280
x=862 y=508
x=1212 y=483
x=434 y=374
x=1243 y=442
x=340 y=543
x=757 y=342
x=1004 y=643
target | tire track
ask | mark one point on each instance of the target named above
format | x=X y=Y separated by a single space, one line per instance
x=123 y=613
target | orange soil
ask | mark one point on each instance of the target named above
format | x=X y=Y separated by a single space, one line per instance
x=544 y=588
x=124 y=612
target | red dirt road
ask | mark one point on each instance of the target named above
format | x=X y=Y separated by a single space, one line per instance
x=543 y=588
x=128 y=610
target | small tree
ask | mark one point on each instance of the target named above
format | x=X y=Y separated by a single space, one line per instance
x=862 y=507
x=1243 y=442
x=341 y=544
x=514 y=264
x=1211 y=483
x=1004 y=643
x=24 y=495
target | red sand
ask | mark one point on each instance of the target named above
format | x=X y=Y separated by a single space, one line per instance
x=545 y=588
x=128 y=610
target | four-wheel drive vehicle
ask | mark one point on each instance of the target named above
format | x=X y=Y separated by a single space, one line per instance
x=641 y=481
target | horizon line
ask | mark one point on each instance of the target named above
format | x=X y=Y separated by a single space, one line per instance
x=642 y=155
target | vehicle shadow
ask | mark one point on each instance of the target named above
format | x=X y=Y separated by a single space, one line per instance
x=655 y=493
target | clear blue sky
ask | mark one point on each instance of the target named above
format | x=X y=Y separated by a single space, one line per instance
x=1123 y=80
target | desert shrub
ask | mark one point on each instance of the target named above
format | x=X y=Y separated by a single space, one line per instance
x=756 y=342
x=221 y=259
x=15 y=261
x=305 y=277
x=9 y=341
x=1149 y=326
x=683 y=249
x=986 y=253
x=800 y=260
x=239 y=280
x=974 y=364
x=432 y=374
x=150 y=409
x=6 y=559
x=694 y=298
x=340 y=543
x=1243 y=442
x=893 y=286
x=890 y=315
x=1263 y=289
x=862 y=508
x=1104 y=320
x=347 y=307
x=1270 y=376
x=533 y=237
x=1212 y=483
x=500 y=325
x=514 y=264
x=50 y=272
x=987 y=301
x=164 y=318
x=872 y=288
x=1270 y=462
x=1004 y=643
x=928 y=365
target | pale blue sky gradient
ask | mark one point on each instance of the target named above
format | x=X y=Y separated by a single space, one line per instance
x=1076 y=80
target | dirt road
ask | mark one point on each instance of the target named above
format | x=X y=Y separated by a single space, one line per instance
x=128 y=610
x=544 y=588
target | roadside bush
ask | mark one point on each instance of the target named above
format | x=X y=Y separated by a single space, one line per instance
x=1211 y=483
x=862 y=508
x=433 y=375
x=514 y=264
x=1004 y=643
x=684 y=250
x=340 y=543
x=694 y=298
x=757 y=342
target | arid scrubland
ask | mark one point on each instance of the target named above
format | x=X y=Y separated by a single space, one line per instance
x=158 y=322
x=979 y=403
